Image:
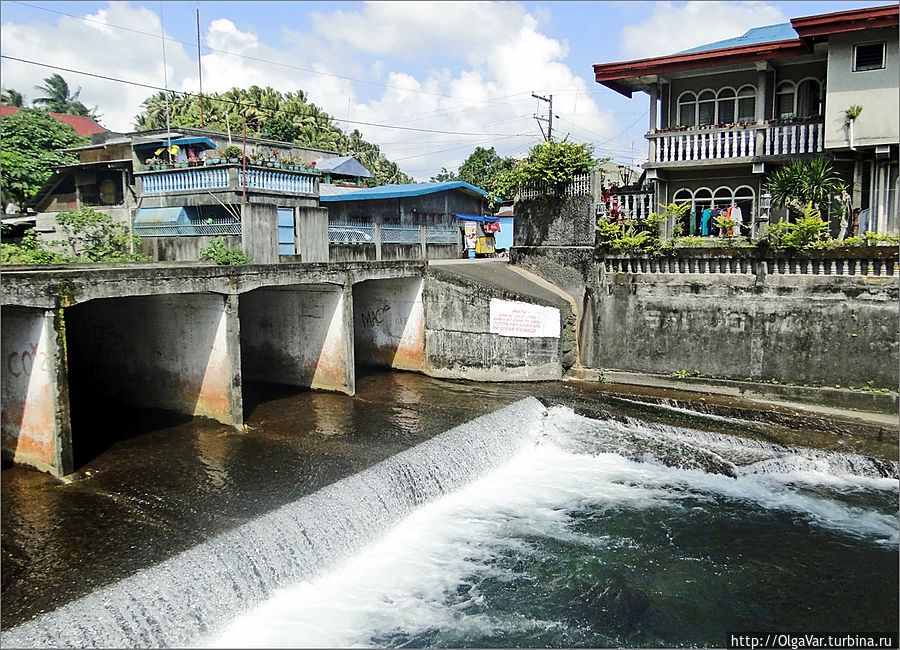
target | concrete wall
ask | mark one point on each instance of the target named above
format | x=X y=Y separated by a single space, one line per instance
x=35 y=420
x=298 y=335
x=550 y=221
x=389 y=323
x=807 y=329
x=875 y=90
x=173 y=352
x=312 y=234
x=181 y=249
x=460 y=345
x=259 y=230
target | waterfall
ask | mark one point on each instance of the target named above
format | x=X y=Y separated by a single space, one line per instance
x=191 y=594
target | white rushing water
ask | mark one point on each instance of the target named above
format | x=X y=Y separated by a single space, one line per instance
x=380 y=550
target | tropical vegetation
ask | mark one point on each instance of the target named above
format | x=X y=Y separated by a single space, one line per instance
x=550 y=164
x=219 y=252
x=31 y=143
x=91 y=236
x=268 y=113
x=802 y=182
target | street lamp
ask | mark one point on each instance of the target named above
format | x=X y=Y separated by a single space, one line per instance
x=765 y=203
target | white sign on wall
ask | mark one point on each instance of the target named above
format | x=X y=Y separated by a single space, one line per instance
x=511 y=318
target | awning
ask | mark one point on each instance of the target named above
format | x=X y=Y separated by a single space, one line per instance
x=476 y=217
x=179 y=141
x=162 y=216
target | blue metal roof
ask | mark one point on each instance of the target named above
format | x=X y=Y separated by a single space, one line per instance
x=476 y=217
x=403 y=191
x=160 y=216
x=755 y=36
x=344 y=165
x=179 y=141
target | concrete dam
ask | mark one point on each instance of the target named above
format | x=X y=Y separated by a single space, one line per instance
x=185 y=338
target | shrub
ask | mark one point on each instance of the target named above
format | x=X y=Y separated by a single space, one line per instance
x=553 y=164
x=219 y=252
x=809 y=232
x=232 y=151
x=29 y=251
x=94 y=237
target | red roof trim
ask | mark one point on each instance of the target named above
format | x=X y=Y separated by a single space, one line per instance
x=846 y=21
x=679 y=62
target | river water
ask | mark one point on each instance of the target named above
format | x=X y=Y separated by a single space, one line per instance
x=637 y=526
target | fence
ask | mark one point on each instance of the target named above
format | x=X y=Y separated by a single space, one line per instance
x=196 y=179
x=216 y=226
x=400 y=235
x=862 y=266
x=580 y=186
x=186 y=180
x=279 y=181
x=632 y=205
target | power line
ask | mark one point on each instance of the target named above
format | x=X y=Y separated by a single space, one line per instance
x=244 y=56
x=242 y=104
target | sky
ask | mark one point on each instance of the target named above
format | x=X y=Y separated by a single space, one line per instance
x=454 y=75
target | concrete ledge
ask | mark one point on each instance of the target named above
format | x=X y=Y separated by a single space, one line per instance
x=820 y=397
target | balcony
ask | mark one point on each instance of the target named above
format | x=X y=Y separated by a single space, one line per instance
x=736 y=142
x=229 y=178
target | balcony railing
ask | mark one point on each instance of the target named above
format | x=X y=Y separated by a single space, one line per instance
x=229 y=177
x=739 y=141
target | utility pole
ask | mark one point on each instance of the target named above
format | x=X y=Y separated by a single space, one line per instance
x=200 y=70
x=549 y=119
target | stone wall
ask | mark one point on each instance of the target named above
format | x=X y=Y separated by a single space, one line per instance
x=460 y=345
x=553 y=221
x=181 y=249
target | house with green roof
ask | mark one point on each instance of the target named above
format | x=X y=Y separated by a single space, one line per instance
x=724 y=115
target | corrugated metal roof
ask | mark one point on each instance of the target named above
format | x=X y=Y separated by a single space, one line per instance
x=403 y=191
x=83 y=126
x=345 y=165
x=755 y=36
x=327 y=189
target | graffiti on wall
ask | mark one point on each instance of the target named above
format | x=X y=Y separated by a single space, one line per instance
x=21 y=363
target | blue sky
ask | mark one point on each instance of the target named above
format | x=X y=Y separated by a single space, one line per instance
x=465 y=70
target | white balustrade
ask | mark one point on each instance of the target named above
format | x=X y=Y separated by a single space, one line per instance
x=739 y=142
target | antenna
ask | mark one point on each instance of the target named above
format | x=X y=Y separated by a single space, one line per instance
x=200 y=70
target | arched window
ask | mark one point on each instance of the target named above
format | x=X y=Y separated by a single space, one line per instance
x=784 y=100
x=689 y=220
x=746 y=104
x=725 y=106
x=809 y=98
x=687 y=109
x=706 y=108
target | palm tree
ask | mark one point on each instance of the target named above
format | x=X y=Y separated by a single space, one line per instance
x=10 y=97
x=60 y=99
x=803 y=182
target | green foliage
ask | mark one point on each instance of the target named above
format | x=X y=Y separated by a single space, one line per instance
x=690 y=241
x=94 y=237
x=268 y=113
x=853 y=112
x=552 y=164
x=60 y=99
x=802 y=182
x=809 y=232
x=31 y=140
x=233 y=151
x=444 y=176
x=641 y=235
x=680 y=374
x=29 y=251
x=10 y=97
x=482 y=168
x=219 y=252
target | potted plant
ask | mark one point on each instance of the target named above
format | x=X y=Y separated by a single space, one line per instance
x=232 y=153
x=153 y=162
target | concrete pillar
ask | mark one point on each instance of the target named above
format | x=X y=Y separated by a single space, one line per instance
x=259 y=232
x=389 y=323
x=300 y=335
x=760 y=116
x=312 y=232
x=36 y=430
x=857 y=189
x=174 y=352
x=654 y=105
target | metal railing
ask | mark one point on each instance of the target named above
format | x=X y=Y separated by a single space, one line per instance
x=218 y=226
x=400 y=234
x=351 y=233
x=580 y=186
x=441 y=235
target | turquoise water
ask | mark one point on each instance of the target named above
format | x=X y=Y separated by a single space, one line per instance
x=677 y=539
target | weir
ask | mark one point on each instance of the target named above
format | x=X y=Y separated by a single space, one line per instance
x=190 y=595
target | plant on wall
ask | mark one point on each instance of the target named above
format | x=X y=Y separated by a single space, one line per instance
x=219 y=252
x=853 y=112
x=551 y=164
x=642 y=234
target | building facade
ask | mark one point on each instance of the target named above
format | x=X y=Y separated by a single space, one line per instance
x=723 y=116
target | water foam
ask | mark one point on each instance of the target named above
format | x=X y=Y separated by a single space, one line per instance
x=172 y=603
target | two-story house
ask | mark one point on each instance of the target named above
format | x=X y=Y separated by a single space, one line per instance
x=722 y=116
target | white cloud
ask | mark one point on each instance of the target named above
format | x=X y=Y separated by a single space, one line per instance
x=674 y=27
x=486 y=59
x=110 y=52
